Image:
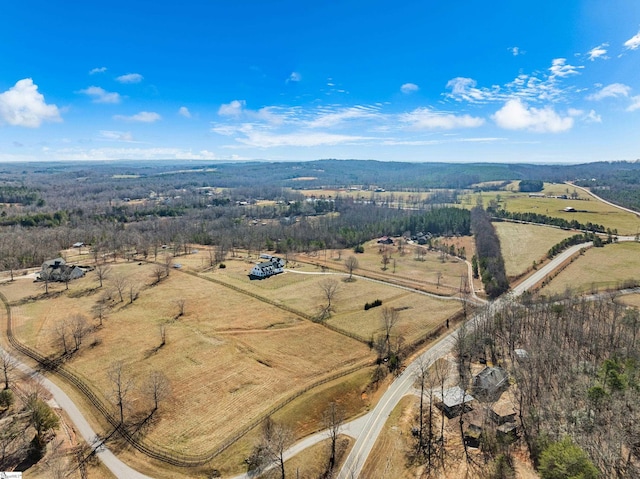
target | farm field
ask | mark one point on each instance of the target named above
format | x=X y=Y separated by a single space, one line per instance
x=523 y=244
x=228 y=352
x=593 y=210
x=631 y=300
x=598 y=269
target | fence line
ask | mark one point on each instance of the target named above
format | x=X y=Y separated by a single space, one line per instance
x=151 y=450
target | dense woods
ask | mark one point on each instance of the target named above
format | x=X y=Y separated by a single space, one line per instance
x=579 y=377
x=489 y=256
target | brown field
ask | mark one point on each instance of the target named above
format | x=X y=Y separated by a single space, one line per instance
x=521 y=244
x=593 y=210
x=597 y=269
x=229 y=353
x=631 y=300
x=418 y=314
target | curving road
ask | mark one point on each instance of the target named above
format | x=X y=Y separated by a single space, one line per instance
x=118 y=468
x=364 y=429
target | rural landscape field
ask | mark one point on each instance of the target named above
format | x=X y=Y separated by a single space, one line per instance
x=320 y=240
x=191 y=353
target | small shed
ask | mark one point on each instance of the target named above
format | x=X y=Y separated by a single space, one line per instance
x=454 y=401
x=503 y=412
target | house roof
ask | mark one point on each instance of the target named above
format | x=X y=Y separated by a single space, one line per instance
x=490 y=378
x=455 y=396
x=52 y=263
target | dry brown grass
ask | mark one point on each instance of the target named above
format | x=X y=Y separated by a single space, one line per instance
x=388 y=457
x=230 y=356
x=521 y=244
x=597 y=269
x=631 y=300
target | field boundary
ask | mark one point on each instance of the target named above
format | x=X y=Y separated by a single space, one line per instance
x=151 y=450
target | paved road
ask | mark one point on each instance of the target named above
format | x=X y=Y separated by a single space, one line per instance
x=603 y=200
x=354 y=463
x=118 y=468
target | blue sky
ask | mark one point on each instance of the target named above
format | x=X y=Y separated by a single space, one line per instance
x=509 y=81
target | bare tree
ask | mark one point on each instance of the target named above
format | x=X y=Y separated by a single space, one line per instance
x=329 y=288
x=61 y=330
x=7 y=365
x=157 y=388
x=121 y=386
x=100 y=311
x=120 y=284
x=167 y=263
x=274 y=441
x=163 y=335
x=389 y=318
x=332 y=420
x=102 y=272
x=386 y=259
x=79 y=329
x=181 y=304
x=134 y=291
x=159 y=273
x=351 y=263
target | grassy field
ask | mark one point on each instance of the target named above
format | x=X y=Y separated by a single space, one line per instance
x=588 y=208
x=521 y=245
x=597 y=269
x=229 y=355
x=631 y=300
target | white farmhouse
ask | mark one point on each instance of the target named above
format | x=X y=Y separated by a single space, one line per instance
x=268 y=268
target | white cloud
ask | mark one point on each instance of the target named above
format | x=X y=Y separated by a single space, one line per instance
x=294 y=77
x=598 y=52
x=409 y=88
x=465 y=89
x=264 y=139
x=593 y=117
x=93 y=71
x=130 y=78
x=159 y=153
x=633 y=43
x=184 y=111
x=23 y=105
x=332 y=117
x=425 y=118
x=515 y=51
x=100 y=95
x=635 y=103
x=560 y=68
x=116 y=135
x=233 y=109
x=515 y=115
x=142 y=117
x=611 y=91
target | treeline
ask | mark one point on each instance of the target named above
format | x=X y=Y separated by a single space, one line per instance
x=574 y=240
x=548 y=220
x=619 y=187
x=576 y=368
x=489 y=256
x=36 y=219
x=18 y=194
x=530 y=186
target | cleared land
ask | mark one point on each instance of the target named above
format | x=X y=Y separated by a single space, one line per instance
x=522 y=244
x=229 y=356
x=598 y=269
x=588 y=208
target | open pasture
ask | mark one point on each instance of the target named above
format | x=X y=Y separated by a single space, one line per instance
x=523 y=244
x=417 y=314
x=588 y=208
x=229 y=355
x=598 y=269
